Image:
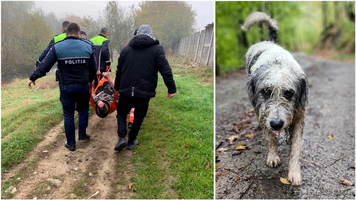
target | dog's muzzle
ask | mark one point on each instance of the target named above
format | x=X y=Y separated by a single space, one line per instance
x=276 y=125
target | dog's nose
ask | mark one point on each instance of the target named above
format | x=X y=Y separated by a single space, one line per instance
x=276 y=124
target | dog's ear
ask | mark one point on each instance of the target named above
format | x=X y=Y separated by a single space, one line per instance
x=251 y=89
x=302 y=99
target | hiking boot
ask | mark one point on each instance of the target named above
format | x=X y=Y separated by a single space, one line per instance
x=121 y=144
x=85 y=137
x=131 y=145
x=69 y=147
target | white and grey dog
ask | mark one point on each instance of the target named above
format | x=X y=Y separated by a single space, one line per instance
x=277 y=87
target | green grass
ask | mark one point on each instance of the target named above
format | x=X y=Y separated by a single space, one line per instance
x=177 y=141
x=80 y=188
x=26 y=116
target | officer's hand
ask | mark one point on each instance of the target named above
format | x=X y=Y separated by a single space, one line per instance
x=36 y=66
x=171 y=95
x=105 y=74
x=101 y=104
x=29 y=83
x=98 y=72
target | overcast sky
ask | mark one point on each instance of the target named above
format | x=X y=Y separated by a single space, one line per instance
x=204 y=9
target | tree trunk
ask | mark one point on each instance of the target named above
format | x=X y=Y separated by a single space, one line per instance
x=324 y=14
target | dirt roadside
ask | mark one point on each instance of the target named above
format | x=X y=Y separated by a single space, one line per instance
x=92 y=168
x=331 y=110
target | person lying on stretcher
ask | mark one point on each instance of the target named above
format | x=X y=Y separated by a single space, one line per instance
x=104 y=96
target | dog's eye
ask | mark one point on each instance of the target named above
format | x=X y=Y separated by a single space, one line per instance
x=266 y=93
x=288 y=95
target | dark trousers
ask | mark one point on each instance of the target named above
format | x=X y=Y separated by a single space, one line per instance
x=124 y=106
x=69 y=96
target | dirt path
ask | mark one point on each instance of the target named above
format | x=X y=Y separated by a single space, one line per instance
x=93 y=167
x=331 y=110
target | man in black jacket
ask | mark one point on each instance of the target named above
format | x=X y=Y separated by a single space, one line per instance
x=76 y=66
x=136 y=81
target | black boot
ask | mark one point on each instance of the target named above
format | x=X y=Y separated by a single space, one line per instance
x=121 y=144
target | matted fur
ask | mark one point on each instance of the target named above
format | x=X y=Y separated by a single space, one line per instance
x=277 y=87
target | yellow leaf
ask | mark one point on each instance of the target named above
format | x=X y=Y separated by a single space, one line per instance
x=217 y=166
x=186 y=146
x=75 y=196
x=130 y=186
x=250 y=135
x=240 y=147
x=346 y=182
x=284 y=181
x=331 y=136
x=134 y=153
x=153 y=163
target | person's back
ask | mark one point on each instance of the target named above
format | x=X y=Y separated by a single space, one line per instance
x=136 y=81
x=73 y=52
x=101 y=48
x=142 y=58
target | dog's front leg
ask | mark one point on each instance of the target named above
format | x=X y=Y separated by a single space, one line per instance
x=273 y=159
x=294 y=175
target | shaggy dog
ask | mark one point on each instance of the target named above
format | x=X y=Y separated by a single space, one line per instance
x=277 y=87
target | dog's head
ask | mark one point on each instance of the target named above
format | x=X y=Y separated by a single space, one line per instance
x=277 y=91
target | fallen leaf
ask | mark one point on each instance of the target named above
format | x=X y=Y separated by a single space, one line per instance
x=130 y=186
x=153 y=196
x=234 y=137
x=225 y=123
x=75 y=196
x=221 y=173
x=331 y=136
x=284 y=181
x=240 y=147
x=222 y=149
x=250 y=135
x=153 y=163
x=207 y=164
x=346 y=182
x=237 y=179
x=217 y=166
x=186 y=146
x=354 y=166
x=134 y=153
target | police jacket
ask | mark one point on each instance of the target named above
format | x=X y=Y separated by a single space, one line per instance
x=55 y=39
x=102 y=53
x=76 y=62
x=137 y=68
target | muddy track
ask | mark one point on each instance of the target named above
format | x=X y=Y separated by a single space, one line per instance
x=331 y=110
x=92 y=168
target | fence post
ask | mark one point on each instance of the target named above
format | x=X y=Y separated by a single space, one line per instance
x=211 y=43
x=196 y=53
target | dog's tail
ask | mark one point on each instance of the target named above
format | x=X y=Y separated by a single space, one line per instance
x=260 y=17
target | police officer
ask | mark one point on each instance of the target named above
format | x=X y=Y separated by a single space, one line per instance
x=55 y=39
x=77 y=68
x=102 y=53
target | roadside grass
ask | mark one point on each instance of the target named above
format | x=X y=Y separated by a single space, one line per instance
x=177 y=140
x=80 y=188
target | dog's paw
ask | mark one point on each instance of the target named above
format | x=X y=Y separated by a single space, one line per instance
x=273 y=160
x=295 y=178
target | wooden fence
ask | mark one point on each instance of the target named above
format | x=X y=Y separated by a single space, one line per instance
x=198 y=46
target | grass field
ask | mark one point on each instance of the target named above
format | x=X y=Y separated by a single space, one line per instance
x=177 y=160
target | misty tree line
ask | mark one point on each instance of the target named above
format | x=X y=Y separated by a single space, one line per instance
x=302 y=27
x=26 y=30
